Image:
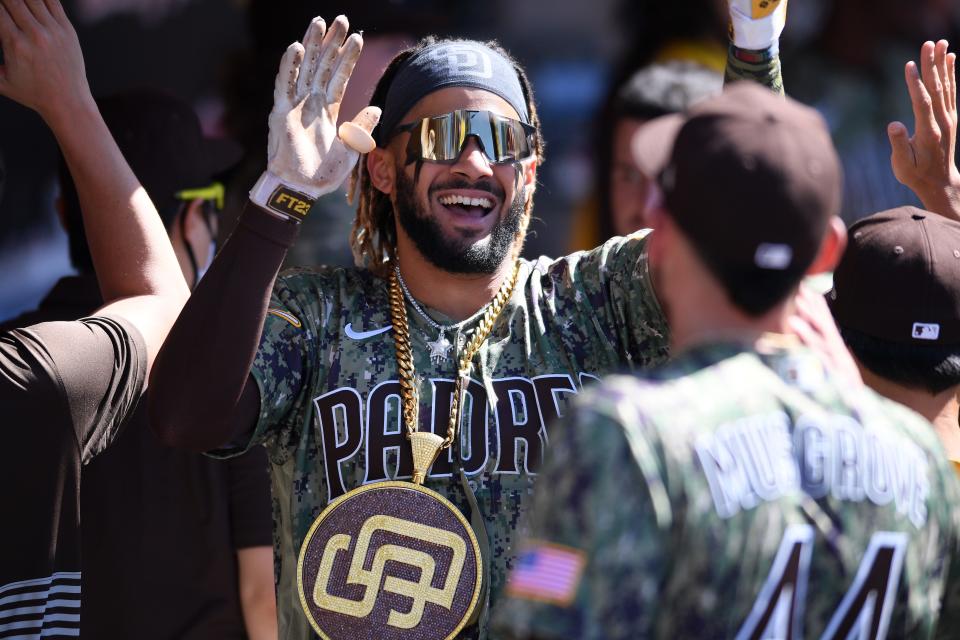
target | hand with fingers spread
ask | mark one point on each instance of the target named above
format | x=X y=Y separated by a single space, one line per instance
x=306 y=158
x=43 y=65
x=926 y=161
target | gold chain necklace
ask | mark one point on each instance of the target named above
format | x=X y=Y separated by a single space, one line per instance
x=426 y=446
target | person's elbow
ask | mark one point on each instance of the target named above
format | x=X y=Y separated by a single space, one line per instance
x=179 y=426
x=180 y=415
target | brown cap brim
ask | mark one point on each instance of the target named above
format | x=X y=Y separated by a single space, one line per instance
x=652 y=144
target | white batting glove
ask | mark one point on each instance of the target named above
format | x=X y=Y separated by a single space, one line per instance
x=757 y=24
x=305 y=156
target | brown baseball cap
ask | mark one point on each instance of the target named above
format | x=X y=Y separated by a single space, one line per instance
x=752 y=179
x=162 y=140
x=899 y=279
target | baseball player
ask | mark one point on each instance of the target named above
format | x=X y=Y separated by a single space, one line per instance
x=66 y=387
x=744 y=490
x=895 y=295
x=442 y=328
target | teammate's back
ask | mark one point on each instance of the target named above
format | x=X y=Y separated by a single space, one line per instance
x=747 y=489
x=795 y=499
x=746 y=494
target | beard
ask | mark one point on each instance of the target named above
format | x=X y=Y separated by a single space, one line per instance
x=483 y=256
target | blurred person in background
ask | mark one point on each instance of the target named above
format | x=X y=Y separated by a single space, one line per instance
x=693 y=31
x=896 y=299
x=896 y=294
x=677 y=55
x=623 y=193
x=168 y=536
x=67 y=388
x=850 y=71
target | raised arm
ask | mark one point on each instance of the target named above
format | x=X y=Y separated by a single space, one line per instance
x=926 y=161
x=203 y=394
x=754 y=52
x=43 y=69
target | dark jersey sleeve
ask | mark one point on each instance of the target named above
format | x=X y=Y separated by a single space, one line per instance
x=251 y=515
x=597 y=546
x=88 y=373
x=762 y=67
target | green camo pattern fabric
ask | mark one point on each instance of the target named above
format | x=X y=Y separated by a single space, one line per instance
x=330 y=411
x=678 y=490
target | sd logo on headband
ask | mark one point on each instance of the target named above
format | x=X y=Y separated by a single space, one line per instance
x=390 y=560
x=464 y=60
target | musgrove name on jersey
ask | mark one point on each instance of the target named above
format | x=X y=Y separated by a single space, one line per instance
x=755 y=459
x=521 y=408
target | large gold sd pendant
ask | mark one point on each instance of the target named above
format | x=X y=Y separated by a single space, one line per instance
x=389 y=560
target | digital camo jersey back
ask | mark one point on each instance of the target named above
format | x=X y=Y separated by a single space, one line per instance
x=733 y=494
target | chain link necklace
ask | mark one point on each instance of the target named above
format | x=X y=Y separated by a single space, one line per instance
x=408 y=509
x=441 y=347
x=427 y=446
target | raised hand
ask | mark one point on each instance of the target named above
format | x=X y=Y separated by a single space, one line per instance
x=926 y=162
x=304 y=150
x=756 y=24
x=43 y=65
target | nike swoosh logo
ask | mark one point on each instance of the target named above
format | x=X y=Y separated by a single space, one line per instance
x=363 y=335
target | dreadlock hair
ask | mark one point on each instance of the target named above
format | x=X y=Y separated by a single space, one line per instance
x=373 y=238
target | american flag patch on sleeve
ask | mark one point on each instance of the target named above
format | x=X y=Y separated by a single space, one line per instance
x=547 y=572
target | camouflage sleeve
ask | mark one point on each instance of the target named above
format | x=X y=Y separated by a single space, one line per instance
x=594 y=560
x=762 y=67
x=611 y=289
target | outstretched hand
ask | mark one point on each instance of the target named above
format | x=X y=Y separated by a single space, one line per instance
x=43 y=65
x=304 y=150
x=926 y=162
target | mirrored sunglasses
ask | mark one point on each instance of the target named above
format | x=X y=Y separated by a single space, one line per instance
x=442 y=138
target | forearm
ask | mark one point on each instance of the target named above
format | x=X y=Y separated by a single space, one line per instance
x=762 y=67
x=128 y=242
x=197 y=399
x=257 y=596
x=942 y=200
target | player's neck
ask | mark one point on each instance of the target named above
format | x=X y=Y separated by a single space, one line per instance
x=941 y=409
x=456 y=295
x=693 y=323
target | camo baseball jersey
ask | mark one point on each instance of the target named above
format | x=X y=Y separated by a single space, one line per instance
x=734 y=494
x=330 y=404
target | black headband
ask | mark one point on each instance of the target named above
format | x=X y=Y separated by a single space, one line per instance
x=458 y=63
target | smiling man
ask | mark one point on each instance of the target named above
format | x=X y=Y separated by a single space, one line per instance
x=441 y=332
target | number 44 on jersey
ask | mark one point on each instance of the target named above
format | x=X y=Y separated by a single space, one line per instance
x=863 y=614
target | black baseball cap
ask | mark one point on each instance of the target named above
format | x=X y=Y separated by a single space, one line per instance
x=752 y=179
x=163 y=142
x=899 y=279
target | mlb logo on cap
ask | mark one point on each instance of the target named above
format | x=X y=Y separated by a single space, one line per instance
x=923 y=331
x=901 y=265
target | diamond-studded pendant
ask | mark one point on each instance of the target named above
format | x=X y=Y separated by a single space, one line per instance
x=440 y=349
